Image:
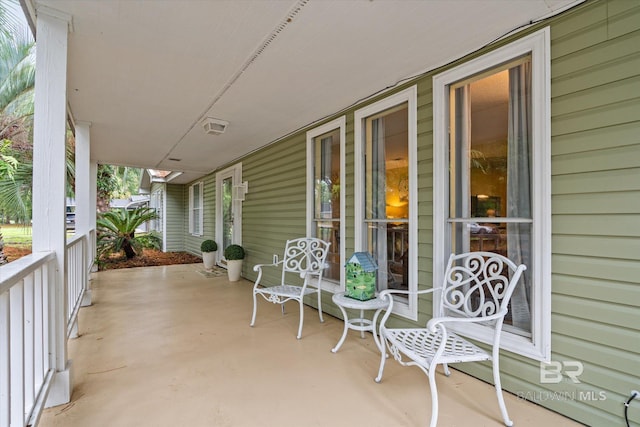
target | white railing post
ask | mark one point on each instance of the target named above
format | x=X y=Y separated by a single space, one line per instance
x=87 y=263
x=77 y=275
x=29 y=340
x=5 y=379
x=25 y=368
x=16 y=355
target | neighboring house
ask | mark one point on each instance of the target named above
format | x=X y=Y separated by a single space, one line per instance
x=168 y=201
x=550 y=115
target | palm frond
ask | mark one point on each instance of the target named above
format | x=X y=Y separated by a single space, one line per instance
x=15 y=193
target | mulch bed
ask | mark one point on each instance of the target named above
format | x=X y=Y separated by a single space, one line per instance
x=149 y=257
x=14 y=252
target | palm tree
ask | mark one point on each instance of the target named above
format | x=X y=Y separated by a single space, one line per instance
x=17 y=79
x=8 y=165
x=116 y=230
x=10 y=21
x=17 y=64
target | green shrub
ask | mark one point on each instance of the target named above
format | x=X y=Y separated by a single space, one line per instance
x=150 y=240
x=234 y=252
x=209 y=246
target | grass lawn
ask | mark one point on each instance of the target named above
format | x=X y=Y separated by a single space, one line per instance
x=16 y=235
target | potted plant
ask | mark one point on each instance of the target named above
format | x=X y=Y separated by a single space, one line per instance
x=234 y=254
x=209 y=248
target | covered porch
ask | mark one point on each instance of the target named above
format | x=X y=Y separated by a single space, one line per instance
x=167 y=346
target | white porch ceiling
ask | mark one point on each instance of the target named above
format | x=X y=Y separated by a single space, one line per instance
x=145 y=73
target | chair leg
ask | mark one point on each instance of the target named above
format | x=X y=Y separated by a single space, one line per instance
x=320 y=305
x=496 y=380
x=301 y=319
x=447 y=372
x=434 y=395
x=255 y=307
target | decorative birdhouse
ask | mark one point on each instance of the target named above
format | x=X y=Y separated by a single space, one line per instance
x=361 y=276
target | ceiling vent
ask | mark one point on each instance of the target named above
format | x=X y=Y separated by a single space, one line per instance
x=214 y=126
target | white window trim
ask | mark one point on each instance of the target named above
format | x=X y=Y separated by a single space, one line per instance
x=200 y=189
x=407 y=309
x=340 y=123
x=160 y=194
x=538 y=44
x=234 y=172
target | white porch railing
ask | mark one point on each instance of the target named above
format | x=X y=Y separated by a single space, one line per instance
x=80 y=250
x=27 y=326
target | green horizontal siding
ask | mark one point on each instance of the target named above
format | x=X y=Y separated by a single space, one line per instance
x=608 y=270
x=595 y=148
x=174 y=207
x=618 y=225
x=591 y=288
x=275 y=208
x=597 y=139
x=596 y=202
x=620 y=180
x=620 y=202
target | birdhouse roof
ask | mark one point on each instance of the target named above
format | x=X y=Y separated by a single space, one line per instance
x=365 y=260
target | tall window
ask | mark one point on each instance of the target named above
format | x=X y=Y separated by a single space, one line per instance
x=490 y=154
x=195 y=209
x=325 y=207
x=496 y=194
x=387 y=194
x=156 y=202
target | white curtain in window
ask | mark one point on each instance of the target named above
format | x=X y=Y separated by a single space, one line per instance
x=325 y=177
x=519 y=188
x=379 y=200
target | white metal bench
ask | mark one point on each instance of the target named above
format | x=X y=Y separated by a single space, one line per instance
x=477 y=288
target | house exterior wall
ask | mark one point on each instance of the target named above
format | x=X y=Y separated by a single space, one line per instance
x=595 y=123
x=175 y=206
x=191 y=242
x=275 y=207
x=595 y=143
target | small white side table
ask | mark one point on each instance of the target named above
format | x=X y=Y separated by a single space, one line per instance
x=361 y=324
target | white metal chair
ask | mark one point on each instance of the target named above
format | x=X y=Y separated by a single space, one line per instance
x=476 y=289
x=304 y=257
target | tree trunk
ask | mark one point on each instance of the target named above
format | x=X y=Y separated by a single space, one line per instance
x=128 y=250
x=102 y=204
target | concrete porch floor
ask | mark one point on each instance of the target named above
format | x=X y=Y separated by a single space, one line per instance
x=166 y=346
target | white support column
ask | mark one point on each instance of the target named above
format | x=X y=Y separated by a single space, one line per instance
x=93 y=196
x=93 y=193
x=49 y=176
x=85 y=205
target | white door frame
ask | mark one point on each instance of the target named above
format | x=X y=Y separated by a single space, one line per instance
x=235 y=173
